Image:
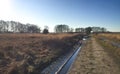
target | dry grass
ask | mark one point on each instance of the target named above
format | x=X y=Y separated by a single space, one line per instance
x=113 y=36
x=30 y=53
x=92 y=59
x=112 y=50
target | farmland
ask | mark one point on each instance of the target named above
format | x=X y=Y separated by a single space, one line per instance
x=31 y=53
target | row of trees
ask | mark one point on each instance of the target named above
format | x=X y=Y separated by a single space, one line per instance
x=91 y=30
x=65 y=28
x=17 y=27
x=12 y=26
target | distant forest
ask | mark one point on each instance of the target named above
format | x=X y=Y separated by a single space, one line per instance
x=17 y=27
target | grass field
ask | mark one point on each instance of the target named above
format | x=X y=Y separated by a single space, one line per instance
x=30 y=53
x=112 y=36
x=114 y=51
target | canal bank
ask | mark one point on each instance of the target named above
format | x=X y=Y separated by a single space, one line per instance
x=60 y=63
x=93 y=59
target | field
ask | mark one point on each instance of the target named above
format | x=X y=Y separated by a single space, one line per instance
x=112 y=36
x=111 y=43
x=94 y=58
x=31 y=53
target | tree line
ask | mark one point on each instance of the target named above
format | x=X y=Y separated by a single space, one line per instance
x=17 y=27
x=62 y=28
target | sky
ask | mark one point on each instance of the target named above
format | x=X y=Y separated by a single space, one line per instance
x=75 y=13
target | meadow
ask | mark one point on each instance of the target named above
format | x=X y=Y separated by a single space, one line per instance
x=31 y=53
x=110 y=42
x=113 y=36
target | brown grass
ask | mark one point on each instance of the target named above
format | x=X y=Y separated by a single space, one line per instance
x=30 y=53
x=112 y=50
x=113 y=36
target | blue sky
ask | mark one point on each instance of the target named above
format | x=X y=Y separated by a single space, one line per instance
x=75 y=13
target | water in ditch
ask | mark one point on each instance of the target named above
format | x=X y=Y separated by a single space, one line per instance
x=55 y=66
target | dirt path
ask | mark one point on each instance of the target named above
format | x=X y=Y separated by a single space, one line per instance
x=93 y=60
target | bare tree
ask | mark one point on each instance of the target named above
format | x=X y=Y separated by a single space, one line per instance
x=6 y=26
x=80 y=30
x=61 y=28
